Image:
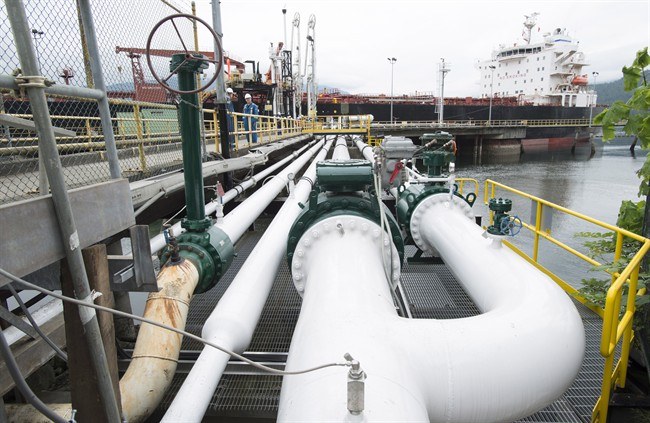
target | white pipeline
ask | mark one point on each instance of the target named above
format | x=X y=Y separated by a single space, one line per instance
x=239 y=219
x=518 y=356
x=158 y=241
x=233 y=321
x=341 y=150
x=156 y=351
x=365 y=149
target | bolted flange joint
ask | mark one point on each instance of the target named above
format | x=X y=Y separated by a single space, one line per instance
x=211 y=252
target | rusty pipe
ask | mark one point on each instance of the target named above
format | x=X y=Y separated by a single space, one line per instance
x=156 y=351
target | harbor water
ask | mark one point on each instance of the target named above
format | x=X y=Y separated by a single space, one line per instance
x=591 y=183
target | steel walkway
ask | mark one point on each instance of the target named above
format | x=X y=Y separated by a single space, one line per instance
x=432 y=292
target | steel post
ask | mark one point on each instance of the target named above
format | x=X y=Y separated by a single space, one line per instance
x=52 y=161
x=98 y=77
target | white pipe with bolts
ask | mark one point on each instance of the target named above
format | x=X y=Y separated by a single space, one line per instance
x=515 y=358
x=235 y=317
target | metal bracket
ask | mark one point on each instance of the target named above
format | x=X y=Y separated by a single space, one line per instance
x=19 y=323
x=137 y=274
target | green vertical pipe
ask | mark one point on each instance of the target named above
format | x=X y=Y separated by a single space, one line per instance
x=190 y=128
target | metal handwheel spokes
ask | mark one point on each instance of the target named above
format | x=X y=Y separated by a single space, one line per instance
x=191 y=55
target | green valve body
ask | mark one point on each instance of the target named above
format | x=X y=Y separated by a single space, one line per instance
x=500 y=207
x=211 y=251
x=343 y=188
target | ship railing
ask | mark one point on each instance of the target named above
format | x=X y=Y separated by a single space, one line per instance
x=617 y=314
x=480 y=123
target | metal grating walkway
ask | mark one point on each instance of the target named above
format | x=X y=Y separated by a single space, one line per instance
x=432 y=292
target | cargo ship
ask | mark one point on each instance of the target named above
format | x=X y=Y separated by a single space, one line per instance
x=542 y=80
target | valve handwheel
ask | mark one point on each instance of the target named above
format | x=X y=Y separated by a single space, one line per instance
x=190 y=55
x=511 y=225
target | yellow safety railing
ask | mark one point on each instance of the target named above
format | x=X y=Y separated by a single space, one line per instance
x=617 y=321
x=253 y=130
x=348 y=124
x=461 y=184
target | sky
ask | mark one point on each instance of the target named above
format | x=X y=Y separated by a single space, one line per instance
x=354 y=38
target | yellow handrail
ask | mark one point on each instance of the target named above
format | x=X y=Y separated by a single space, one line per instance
x=615 y=328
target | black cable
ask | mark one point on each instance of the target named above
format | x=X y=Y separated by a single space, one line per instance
x=22 y=386
x=37 y=328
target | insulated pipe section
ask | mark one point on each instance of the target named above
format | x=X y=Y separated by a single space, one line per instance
x=235 y=318
x=239 y=219
x=365 y=149
x=522 y=353
x=156 y=350
x=158 y=241
x=341 y=150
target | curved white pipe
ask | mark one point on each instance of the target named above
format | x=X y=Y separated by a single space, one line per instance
x=341 y=150
x=235 y=317
x=517 y=357
x=158 y=241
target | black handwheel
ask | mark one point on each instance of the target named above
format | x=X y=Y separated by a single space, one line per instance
x=190 y=55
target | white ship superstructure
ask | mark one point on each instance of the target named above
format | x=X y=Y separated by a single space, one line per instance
x=549 y=72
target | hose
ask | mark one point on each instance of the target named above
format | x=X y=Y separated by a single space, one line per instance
x=22 y=386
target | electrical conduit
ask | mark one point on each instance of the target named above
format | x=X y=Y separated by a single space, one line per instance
x=235 y=317
x=519 y=355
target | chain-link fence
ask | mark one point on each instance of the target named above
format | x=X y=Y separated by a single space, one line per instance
x=143 y=118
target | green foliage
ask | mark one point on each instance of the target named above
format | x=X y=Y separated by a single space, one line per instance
x=634 y=115
x=602 y=246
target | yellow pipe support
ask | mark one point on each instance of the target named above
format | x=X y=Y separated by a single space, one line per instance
x=538 y=227
x=156 y=350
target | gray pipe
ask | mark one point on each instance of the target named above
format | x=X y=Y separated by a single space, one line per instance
x=67 y=227
x=98 y=77
x=8 y=82
x=22 y=386
x=216 y=24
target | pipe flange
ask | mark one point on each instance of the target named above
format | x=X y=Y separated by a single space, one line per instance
x=211 y=252
x=341 y=225
x=423 y=206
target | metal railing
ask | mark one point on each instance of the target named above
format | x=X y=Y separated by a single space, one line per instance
x=617 y=321
x=354 y=124
x=251 y=130
x=481 y=123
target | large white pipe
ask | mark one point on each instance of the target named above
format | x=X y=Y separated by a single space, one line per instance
x=240 y=219
x=341 y=150
x=519 y=355
x=158 y=241
x=235 y=317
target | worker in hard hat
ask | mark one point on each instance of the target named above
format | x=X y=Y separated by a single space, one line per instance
x=250 y=121
x=230 y=108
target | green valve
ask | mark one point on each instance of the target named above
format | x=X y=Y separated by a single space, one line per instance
x=344 y=175
x=343 y=188
x=501 y=222
x=211 y=251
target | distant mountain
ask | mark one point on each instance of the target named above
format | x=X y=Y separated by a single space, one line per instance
x=609 y=92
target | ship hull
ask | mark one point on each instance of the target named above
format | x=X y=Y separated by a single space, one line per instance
x=537 y=139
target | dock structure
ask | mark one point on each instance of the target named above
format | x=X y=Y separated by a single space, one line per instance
x=83 y=173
